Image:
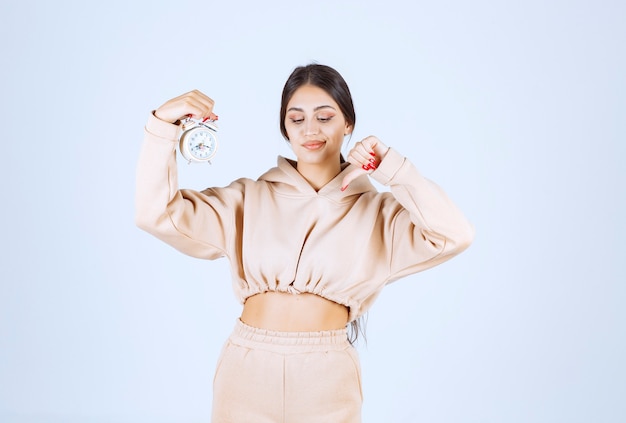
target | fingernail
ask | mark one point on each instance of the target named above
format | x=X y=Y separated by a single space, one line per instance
x=205 y=119
x=365 y=167
x=372 y=160
x=372 y=153
x=344 y=188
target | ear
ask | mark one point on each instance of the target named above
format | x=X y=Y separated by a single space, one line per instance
x=348 y=130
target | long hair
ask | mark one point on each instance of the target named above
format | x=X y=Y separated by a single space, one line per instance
x=356 y=328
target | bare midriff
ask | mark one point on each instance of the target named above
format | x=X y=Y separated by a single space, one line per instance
x=286 y=312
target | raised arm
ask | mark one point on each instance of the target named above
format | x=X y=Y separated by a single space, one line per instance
x=196 y=223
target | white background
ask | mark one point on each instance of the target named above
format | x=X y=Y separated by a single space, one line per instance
x=517 y=109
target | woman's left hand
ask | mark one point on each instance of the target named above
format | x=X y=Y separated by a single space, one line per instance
x=366 y=155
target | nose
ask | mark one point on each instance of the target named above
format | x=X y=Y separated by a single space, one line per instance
x=311 y=127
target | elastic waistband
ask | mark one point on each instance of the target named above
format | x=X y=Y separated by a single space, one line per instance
x=252 y=337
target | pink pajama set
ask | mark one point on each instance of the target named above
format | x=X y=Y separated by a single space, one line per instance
x=279 y=234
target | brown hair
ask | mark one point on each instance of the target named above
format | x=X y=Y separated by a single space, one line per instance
x=324 y=77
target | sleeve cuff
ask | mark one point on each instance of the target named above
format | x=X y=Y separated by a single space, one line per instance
x=161 y=129
x=388 y=167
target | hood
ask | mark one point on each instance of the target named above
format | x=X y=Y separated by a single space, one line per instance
x=286 y=180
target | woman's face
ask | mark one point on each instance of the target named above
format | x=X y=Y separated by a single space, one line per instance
x=315 y=126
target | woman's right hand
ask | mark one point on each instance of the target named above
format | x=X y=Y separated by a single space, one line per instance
x=193 y=103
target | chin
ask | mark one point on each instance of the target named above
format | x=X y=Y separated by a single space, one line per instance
x=318 y=159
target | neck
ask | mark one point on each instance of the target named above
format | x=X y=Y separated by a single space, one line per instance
x=318 y=175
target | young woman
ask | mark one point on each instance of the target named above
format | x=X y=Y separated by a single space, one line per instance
x=311 y=244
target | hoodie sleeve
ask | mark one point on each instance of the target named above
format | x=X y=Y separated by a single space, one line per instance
x=195 y=223
x=427 y=228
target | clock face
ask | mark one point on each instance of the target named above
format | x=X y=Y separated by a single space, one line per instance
x=202 y=144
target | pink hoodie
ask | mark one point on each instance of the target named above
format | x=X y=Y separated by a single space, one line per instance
x=279 y=234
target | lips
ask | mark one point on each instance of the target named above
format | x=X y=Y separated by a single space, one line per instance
x=313 y=145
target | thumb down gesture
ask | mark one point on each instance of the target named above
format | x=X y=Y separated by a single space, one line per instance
x=366 y=155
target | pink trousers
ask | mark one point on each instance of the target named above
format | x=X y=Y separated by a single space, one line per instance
x=265 y=376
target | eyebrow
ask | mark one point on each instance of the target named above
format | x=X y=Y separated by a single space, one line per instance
x=298 y=109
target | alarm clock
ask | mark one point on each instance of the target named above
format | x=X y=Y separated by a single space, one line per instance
x=198 y=140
